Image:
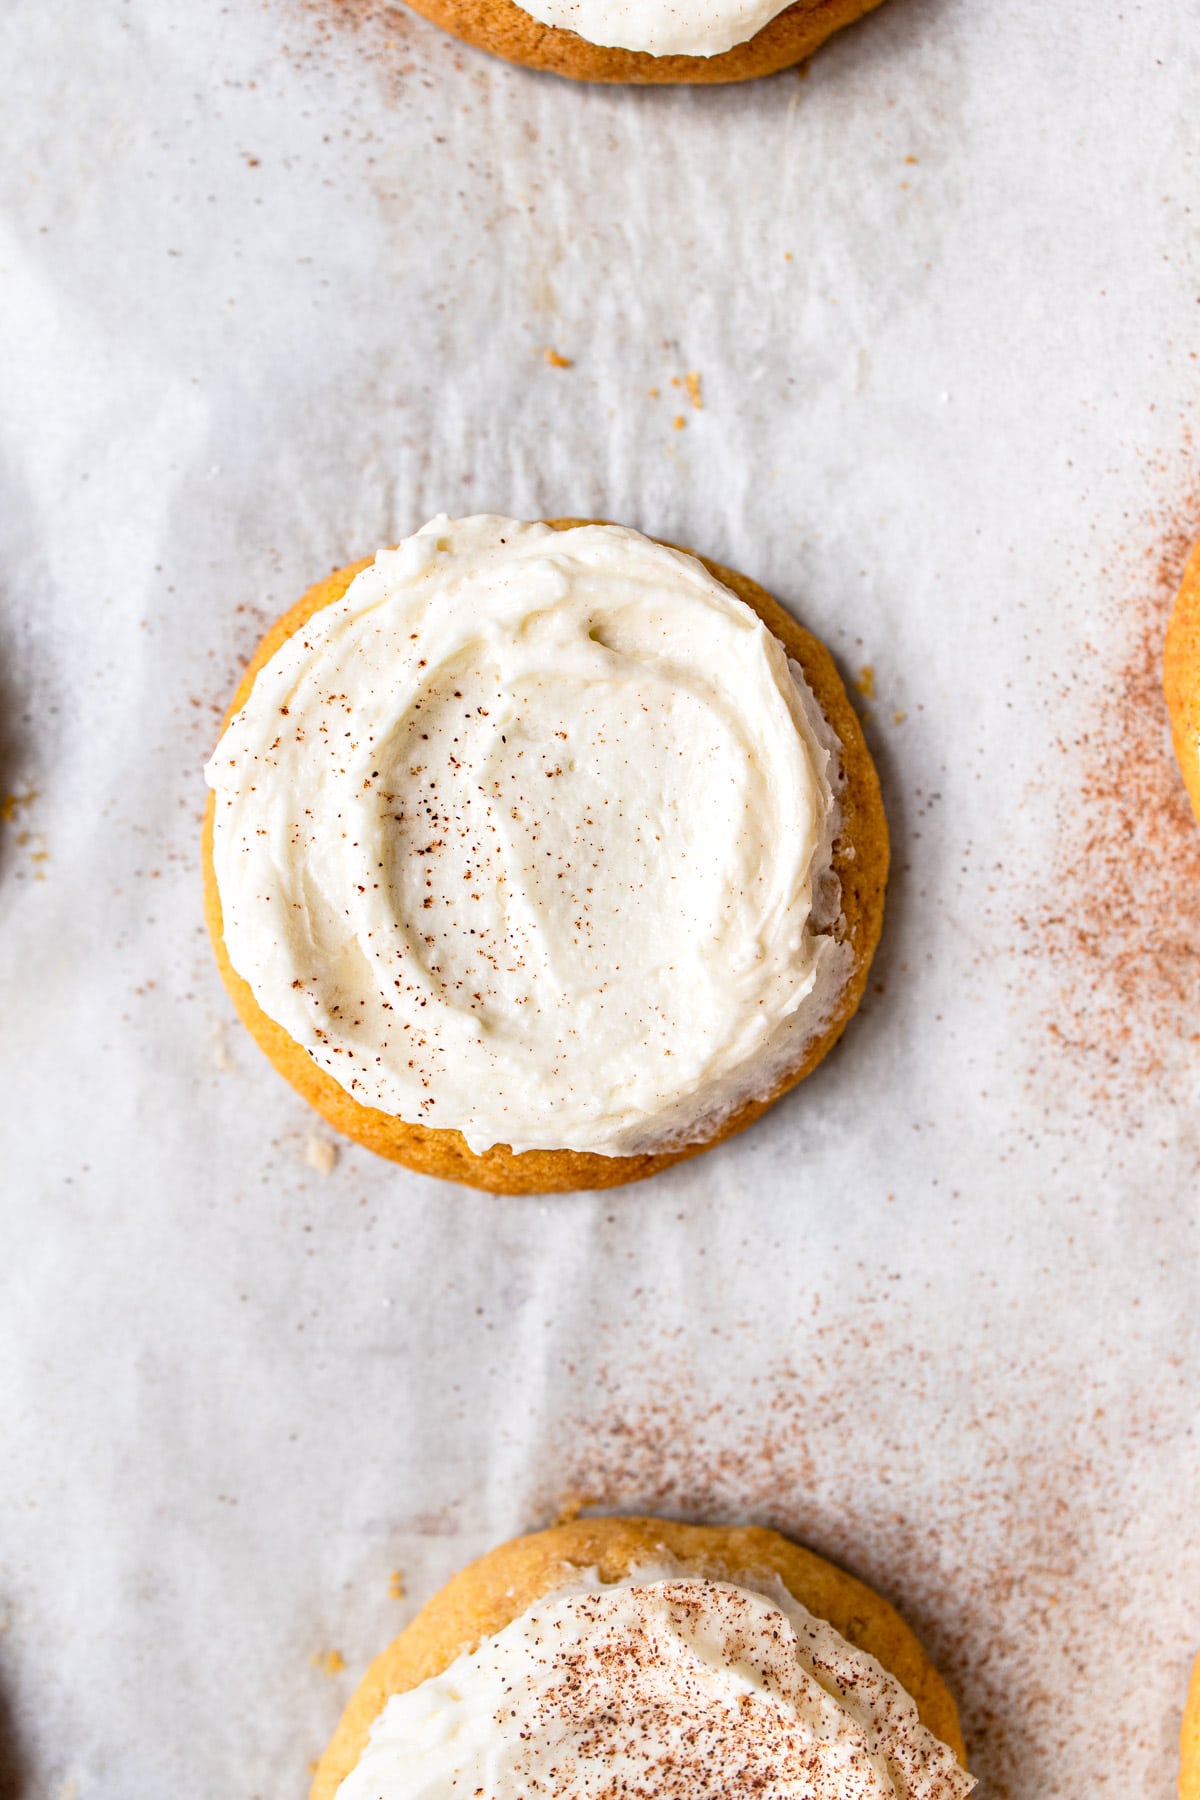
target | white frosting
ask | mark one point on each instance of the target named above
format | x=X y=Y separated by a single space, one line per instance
x=661 y=1687
x=660 y=27
x=530 y=835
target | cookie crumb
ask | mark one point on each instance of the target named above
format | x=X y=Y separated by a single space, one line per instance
x=571 y=1505
x=866 y=681
x=320 y=1153
x=11 y=804
x=555 y=360
x=396 y=1587
x=330 y=1662
x=898 y=718
x=692 y=382
x=678 y=422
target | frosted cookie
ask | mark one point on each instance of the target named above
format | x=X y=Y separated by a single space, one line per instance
x=1181 y=677
x=1189 y=1740
x=647 y=40
x=541 y=857
x=649 y=1659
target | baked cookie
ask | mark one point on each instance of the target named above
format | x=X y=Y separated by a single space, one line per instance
x=1189 y=1740
x=534 y=861
x=607 y=1647
x=647 y=41
x=1181 y=677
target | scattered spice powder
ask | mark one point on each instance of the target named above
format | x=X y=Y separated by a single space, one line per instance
x=385 y=35
x=1119 y=932
x=355 y=15
x=992 y=1560
x=619 y=1699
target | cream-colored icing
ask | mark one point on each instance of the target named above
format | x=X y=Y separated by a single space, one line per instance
x=660 y=27
x=660 y=1687
x=530 y=835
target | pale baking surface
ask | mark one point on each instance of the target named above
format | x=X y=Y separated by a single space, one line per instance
x=936 y=1314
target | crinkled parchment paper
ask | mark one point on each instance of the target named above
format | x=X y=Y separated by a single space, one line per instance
x=277 y=282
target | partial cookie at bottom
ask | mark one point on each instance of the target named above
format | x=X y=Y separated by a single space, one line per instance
x=487 y=1596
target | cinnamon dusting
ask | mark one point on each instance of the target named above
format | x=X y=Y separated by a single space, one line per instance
x=993 y=1564
x=1119 y=933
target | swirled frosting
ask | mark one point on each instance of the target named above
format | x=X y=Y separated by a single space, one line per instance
x=529 y=835
x=660 y=27
x=661 y=1687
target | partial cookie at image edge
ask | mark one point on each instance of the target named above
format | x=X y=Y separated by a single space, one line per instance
x=1189 y=1739
x=1181 y=677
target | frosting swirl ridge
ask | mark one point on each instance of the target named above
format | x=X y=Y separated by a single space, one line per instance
x=529 y=835
x=659 y=1687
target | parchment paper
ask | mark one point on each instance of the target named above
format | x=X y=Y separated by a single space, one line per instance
x=278 y=281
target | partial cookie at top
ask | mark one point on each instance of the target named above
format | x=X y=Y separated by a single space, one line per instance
x=506 y=29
